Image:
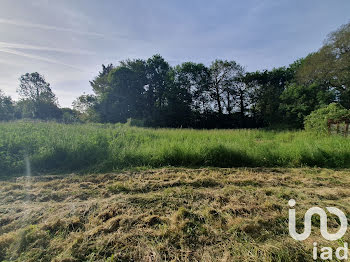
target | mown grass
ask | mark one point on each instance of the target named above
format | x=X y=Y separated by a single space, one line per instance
x=171 y=214
x=53 y=147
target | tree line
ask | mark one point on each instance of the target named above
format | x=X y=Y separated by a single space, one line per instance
x=222 y=95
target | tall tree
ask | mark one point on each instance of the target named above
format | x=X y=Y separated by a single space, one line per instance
x=100 y=83
x=157 y=77
x=242 y=94
x=330 y=66
x=194 y=78
x=140 y=85
x=125 y=95
x=223 y=75
x=176 y=110
x=38 y=100
x=267 y=87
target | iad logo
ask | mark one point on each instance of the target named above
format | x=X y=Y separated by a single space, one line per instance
x=327 y=252
x=323 y=217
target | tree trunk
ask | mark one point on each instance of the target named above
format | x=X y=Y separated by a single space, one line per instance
x=242 y=107
x=229 y=109
x=218 y=99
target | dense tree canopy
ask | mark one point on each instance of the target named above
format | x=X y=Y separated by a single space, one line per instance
x=330 y=66
x=220 y=95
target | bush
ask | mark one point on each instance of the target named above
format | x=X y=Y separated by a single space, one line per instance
x=318 y=119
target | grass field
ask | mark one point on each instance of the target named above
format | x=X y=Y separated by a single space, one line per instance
x=60 y=148
x=172 y=214
x=121 y=193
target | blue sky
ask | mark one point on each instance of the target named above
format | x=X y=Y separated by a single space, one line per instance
x=68 y=40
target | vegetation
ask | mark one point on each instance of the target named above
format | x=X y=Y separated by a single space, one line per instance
x=37 y=99
x=318 y=120
x=219 y=95
x=167 y=215
x=7 y=109
x=231 y=207
x=53 y=147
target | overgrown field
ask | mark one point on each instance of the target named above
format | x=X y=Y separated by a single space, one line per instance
x=167 y=215
x=60 y=148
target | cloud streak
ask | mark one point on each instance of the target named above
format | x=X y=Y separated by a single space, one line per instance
x=49 y=27
x=44 y=48
x=36 y=57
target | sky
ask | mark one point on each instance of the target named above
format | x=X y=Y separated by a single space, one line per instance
x=67 y=41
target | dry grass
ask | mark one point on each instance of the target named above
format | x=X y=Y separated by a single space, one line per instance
x=165 y=215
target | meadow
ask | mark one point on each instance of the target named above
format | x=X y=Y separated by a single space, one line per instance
x=170 y=214
x=105 y=192
x=95 y=148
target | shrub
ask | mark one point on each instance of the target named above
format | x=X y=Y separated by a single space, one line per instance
x=317 y=120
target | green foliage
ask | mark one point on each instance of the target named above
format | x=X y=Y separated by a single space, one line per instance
x=122 y=99
x=330 y=65
x=100 y=84
x=165 y=96
x=193 y=80
x=7 y=109
x=222 y=84
x=37 y=99
x=85 y=108
x=69 y=116
x=298 y=101
x=266 y=89
x=53 y=147
x=193 y=95
x=318 y=119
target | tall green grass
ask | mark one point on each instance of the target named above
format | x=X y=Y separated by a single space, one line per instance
x=53 y=147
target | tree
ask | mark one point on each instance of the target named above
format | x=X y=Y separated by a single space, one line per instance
x=298 y=101
x=100 y=84
x=266 y=89
x=69 y=115
x=176 y=110
x=118 y=92
x=222 y=95
x=157 y=79
x=140 y=81
x=330 y=66
x=136 y=89
x=122 y=100
x=7 y=110
x=38 y=100
x=83 y=103
x=194 y=79
x=85 y=108
x=242 y=94
x=223 y=75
